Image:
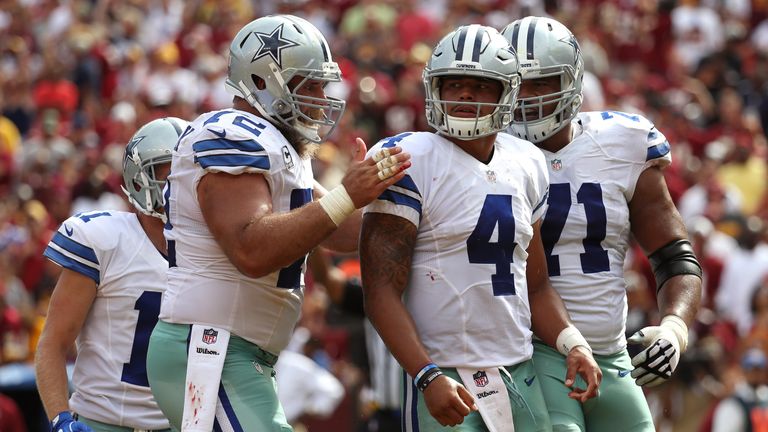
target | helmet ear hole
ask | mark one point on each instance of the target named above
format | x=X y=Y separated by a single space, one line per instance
x=258 y=82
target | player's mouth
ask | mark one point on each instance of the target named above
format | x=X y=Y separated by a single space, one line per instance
x=530 y=114
x=464 y=111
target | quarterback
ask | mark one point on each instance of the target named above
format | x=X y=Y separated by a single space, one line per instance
x=108 y=297
x=456 y=292
x=606 y=182
x=243 y=211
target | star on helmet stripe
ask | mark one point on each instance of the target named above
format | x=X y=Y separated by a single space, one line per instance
x=530 y=37
x=273 y=45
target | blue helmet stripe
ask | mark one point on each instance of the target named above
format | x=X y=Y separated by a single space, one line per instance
x=460 y=43
x=478 y=43
x=529 y=38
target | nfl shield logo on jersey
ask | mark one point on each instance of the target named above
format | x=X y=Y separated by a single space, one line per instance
x=557 y=164
x=209 y=336
x=481 y=379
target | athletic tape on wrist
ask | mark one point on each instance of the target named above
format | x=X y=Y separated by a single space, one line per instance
x=678 y=327
x=569 y=339
x=337 y=204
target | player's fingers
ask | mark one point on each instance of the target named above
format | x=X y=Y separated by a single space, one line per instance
x=467 y=398
x=386 y=153
x=397 y=175
x=575 y=394
x=639 y=338
x=387 y=162
x=381 y=154
x=449 y=417
x=592 y=388
x=640 y=358
x=570 y=375
x=457 y=415
x=360 y=149
x=654 y=382
x=644 y=379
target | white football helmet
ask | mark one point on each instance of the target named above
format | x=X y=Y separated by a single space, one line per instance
x=546 y=48
x=476 y=51
x=277 y=48
x=149 y=147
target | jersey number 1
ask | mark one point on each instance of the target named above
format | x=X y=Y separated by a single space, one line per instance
x=497 y=210
x=135 y=371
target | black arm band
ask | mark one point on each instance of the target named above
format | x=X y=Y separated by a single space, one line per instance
x=674 y=258
x=428 y=377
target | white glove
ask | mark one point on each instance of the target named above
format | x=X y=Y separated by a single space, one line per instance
x=664 y=343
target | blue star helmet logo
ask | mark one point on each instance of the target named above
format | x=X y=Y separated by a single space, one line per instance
x=132 y=145
x=572 y=42
x=273 y=45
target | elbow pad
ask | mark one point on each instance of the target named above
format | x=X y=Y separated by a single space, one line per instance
x=674 y=258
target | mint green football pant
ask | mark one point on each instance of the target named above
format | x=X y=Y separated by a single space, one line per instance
x=620 y=406
x=247 y=394
x=98 y=426
x=528 y=408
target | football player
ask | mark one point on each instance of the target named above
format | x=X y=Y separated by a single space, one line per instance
x=606 y=183
x=108 y=297
x=243 y=211
x=455 y=291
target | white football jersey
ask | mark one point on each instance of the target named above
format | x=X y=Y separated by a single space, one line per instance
x=204 y=287
x=110 y=375
x=586 y=228
x=467 y=291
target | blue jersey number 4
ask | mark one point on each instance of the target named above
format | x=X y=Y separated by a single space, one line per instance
x=496 y=211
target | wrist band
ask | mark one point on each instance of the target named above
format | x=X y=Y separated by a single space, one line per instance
x=337 y=204
x=678 y=327
x=424 y=370
x=569 y=339
x=428 y=378
x=426 y=375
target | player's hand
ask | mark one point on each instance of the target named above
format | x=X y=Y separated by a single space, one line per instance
x=366 y=179
x=64 y=422
x=655 y=364
x=580 y=361
x=448 y=401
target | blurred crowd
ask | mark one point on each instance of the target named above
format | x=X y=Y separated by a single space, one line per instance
x=78 y=77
